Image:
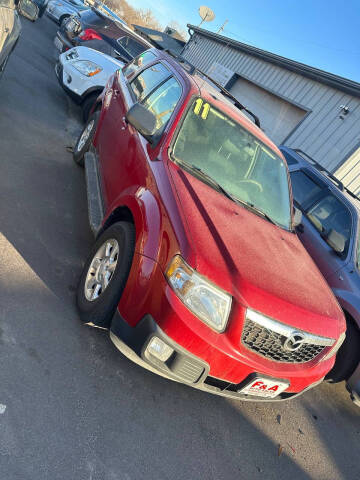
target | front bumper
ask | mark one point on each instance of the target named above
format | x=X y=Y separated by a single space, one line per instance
x=353 y=386
x=183 y=366
x=59 y=71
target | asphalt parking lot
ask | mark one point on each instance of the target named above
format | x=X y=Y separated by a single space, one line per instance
x=71 y=406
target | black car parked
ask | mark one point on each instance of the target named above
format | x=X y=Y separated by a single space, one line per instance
x=109 y=31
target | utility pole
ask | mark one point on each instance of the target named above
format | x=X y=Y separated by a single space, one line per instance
x=222 y=26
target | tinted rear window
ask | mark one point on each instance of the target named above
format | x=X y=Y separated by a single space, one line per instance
x=132 y=47
x=91 y=18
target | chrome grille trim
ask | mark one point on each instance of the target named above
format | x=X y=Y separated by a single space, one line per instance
x=286 y=330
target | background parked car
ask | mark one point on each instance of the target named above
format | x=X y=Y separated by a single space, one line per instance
x=83 y=73
x=10 y=24
x=10 y=28
x=330 y=232
x=95 y=25
x=61 y=10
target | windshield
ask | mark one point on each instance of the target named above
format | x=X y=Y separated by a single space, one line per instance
x=237 y=160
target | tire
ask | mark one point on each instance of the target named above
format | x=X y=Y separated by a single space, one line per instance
x=87 y=105
x=347 y=357
x=63 y=20
x=85 y=139
x=98 y=309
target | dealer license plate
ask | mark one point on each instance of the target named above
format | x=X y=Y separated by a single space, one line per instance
x=58 y=44
x=263 y=387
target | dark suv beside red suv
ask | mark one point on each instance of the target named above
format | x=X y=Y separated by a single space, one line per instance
x=330 y=231
x=197 y=271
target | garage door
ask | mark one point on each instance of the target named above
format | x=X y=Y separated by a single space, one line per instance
x=277 y=116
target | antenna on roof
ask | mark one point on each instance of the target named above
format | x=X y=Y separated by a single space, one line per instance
x=206 y=15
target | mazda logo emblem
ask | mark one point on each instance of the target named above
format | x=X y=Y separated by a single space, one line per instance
x=294 y=342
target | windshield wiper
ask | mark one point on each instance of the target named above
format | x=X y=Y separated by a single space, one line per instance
x=219 y=187
x=261 y=213
x=213 y=181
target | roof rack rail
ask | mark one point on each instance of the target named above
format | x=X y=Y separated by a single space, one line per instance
x=323 y=170
x=191 y=69
x=227 y=94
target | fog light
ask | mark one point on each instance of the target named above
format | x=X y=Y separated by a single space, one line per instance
x=159 y=349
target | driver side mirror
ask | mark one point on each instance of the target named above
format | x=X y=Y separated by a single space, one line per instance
x=28 y=9
x=142 y=120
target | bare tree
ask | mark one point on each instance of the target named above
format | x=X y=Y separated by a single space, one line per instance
x=133 y=16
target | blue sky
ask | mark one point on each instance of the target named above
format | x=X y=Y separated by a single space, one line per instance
x=321 y=33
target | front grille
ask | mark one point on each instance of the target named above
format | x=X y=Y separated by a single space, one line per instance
x=268 y=341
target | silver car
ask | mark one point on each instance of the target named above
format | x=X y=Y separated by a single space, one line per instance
x=61 y=10
x=10 y=28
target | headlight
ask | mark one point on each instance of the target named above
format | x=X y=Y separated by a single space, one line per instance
x=208 y=302
x=87 y=68
x=335 y=348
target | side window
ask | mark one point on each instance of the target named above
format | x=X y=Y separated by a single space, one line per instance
x=304 y=188
x=330 y=215
x=141 y=61
x=144 y=83
x=163 y=101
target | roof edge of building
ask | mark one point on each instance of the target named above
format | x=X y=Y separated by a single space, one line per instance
x=344 y=84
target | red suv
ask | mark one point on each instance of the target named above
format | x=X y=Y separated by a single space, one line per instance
x=197 y=271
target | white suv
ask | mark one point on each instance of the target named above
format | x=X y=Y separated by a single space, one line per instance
x=83 y=74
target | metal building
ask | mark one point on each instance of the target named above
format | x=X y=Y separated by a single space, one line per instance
x=298 y=105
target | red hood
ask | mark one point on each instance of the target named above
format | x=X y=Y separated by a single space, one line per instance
x=263 y=266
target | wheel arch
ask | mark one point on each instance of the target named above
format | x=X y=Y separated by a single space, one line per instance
x=62 y=18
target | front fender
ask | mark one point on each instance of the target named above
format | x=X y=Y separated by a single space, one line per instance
x=350 y=303
x=147 y=217
x=150 y=241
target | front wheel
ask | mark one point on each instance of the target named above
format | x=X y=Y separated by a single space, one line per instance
x=63 y=20
x=85 y=139
x=88 y=104
x=105 y=274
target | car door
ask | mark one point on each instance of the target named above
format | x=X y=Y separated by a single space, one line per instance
x=124 y=153
x=322 y=213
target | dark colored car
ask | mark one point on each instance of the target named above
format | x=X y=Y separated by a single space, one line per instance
x=94 y=24
x=330 y=232
x=10 y=28
x=42 y=5
x=197 y=271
